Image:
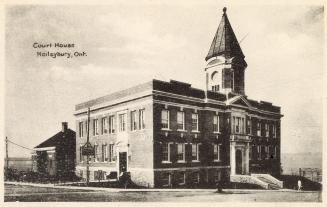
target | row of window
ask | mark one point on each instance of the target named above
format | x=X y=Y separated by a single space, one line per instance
x=167 y=148
x=181 y=177
x=239 y=127
x=165 y=121
x=102 y=153
x=260 y=152
x=108 y=124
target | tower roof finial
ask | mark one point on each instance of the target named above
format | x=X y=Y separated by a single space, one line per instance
x=224 y=10
x=225 y=42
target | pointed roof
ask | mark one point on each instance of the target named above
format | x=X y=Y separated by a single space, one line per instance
x=225 y=42
x=58 y=139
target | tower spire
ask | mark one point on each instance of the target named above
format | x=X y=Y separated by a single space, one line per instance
x=225 y=42
x=225 y=61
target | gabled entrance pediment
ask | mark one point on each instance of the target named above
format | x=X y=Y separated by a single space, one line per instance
x=238 y=100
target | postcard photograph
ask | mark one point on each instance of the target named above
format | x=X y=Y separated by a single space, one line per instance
x=163 y=102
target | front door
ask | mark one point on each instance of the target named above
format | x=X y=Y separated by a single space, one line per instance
x=122 y=162
x=239 y=162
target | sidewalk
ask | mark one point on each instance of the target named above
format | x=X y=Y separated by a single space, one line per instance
x=145 y=189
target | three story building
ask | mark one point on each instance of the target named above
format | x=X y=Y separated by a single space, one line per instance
x=169 y=134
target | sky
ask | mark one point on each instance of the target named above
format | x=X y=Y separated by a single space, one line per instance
x=128 y=44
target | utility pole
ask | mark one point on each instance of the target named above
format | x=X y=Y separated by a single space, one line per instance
x=87 y=142
x=7 y=160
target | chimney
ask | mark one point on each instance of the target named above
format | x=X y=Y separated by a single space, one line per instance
x=64 y=126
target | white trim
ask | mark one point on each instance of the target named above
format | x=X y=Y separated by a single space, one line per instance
x=197 y=122
x=184 y=179
x=168 y=146
x=44 y=148
x=190 y=168
x=127 y=98
x=173 y=95
x=183 y=148
x=140 y=169
x=197 y=145
x=183 y=120
x=166 y=103
x=82 y=114
x=168 y=117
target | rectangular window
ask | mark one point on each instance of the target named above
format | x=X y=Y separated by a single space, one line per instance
x=195 y=178
x=274 y=130
x=141 y=119
x=181 y=152
x=216 y=152
x=104 y=125
x=180 y=120
x=165 y=119
x=180 y=176
x=96 y=153
x=217 y=176
x=195 y=152
x=271 y=152
x=165 y=152
x=95 y=127
x=133 y=121
x=104 y=153
x=111 y=152
x=250 y=153
x=248 y=126
x=237 y=125
x=267 y=129
x=81 y=154
x=259 y=152
x=275 y=152
x=216 y=127
x=195 y=122
x=242 y=125
x=258 y=129
x=80 y=129
x=263 y=152
x=122 y=122
x=112 y=124
x=166 y=179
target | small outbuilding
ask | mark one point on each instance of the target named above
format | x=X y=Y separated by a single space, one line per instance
x=56 y=156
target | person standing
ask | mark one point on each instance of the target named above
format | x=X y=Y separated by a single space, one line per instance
x=299 y=185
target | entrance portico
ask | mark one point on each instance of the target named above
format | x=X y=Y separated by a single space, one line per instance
x=239 y=158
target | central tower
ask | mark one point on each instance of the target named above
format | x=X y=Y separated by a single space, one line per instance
x=225 y=61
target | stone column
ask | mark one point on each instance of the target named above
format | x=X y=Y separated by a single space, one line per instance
x=232 y=159
x=247 y=158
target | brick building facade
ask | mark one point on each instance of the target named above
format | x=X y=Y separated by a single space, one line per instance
x=168 y=134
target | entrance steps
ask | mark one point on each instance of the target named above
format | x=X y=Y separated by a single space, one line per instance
x=265 y=181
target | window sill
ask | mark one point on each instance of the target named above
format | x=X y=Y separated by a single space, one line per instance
x=217 y=160
x=217 y=132
x=181 y=130
x=181 y=161
x=109 y=162
x=195 y=161
x=165 y=129
x=166 y=162
x=195 y=131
